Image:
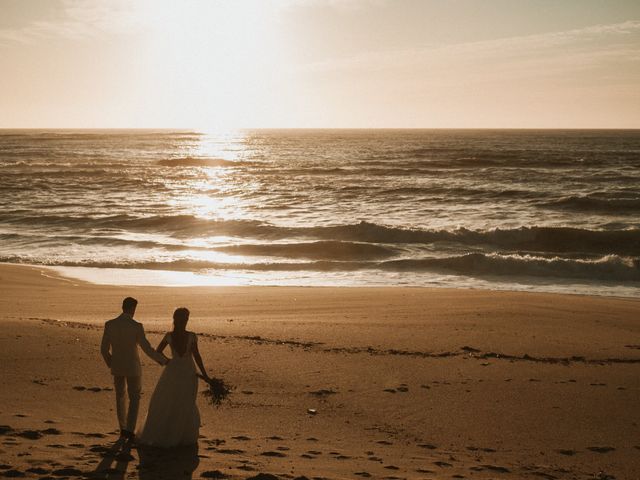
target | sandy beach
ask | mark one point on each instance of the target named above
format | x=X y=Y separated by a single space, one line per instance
x=404 y=382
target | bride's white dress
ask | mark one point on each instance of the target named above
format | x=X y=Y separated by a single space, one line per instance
x=173 y=418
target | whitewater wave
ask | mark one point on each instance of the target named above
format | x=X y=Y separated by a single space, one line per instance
x=609 y=268
x=531 y=239
x=320 y=250
x=325 y=250
x=595 y=204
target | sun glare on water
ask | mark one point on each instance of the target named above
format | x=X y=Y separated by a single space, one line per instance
x=214 y=190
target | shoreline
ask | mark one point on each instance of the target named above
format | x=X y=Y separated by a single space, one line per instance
x=125 y=277
x=407 y=382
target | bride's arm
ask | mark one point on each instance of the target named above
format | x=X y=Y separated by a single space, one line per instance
x=148 y=349
x=196 y=356
x=162 y=345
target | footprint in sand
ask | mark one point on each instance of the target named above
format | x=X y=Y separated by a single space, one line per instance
x=242 y=438
x=38 y=470
x=67 y=472
x=306 y=455
x=275 y=437
x=323 y=393
x=312 y=439
x=569 y=453
x=428 y=446
x=442 y=464
x=263 y=476
x=363 y=474
x=213 y=474
x=424 y=470
x=546 y=476
x=216 y=441
x=601 y=449
x=13 y=473
x=30 y=434
x=391 y=467
x=230 y=451
x=246 y=468
x=384 y=442
x=271 y=453
x=496 y=468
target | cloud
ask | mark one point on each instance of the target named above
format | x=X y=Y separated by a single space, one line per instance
x=599 y=55
x=79 y=20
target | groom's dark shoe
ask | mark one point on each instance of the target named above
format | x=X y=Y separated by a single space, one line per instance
x=127 y=435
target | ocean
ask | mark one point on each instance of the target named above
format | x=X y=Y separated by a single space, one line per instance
x=543 y=210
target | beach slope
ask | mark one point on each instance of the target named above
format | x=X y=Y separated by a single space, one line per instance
x=332 y=382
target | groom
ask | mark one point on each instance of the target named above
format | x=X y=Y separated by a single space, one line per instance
x=119 y=348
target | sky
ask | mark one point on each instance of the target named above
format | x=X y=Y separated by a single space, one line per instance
x=208 y=64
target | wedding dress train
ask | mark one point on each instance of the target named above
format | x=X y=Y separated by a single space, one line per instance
x=173 y=418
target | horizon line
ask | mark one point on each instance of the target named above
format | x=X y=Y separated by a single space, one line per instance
x=192 y=129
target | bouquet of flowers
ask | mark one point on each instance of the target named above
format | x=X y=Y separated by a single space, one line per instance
x=217 y=390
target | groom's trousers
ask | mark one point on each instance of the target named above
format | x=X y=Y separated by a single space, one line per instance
x=127 y=417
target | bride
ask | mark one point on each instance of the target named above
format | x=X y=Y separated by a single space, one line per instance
x=173 y=418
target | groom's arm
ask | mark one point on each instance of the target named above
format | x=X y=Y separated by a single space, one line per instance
x=105 y=346
x=149 y=350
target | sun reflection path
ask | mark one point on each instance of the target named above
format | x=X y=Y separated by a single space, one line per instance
x=220 y=144
x=214 y=191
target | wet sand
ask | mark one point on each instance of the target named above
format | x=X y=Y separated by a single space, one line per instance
x=332 y=382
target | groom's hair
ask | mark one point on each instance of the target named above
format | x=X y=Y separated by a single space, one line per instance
x=129 y=304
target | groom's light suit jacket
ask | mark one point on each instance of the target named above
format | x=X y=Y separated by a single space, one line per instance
x=123 y=335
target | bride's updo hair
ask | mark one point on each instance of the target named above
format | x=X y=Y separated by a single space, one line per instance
x=180 y=319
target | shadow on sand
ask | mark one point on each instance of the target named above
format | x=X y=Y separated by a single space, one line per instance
x=155 y=463
x=179 y=463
